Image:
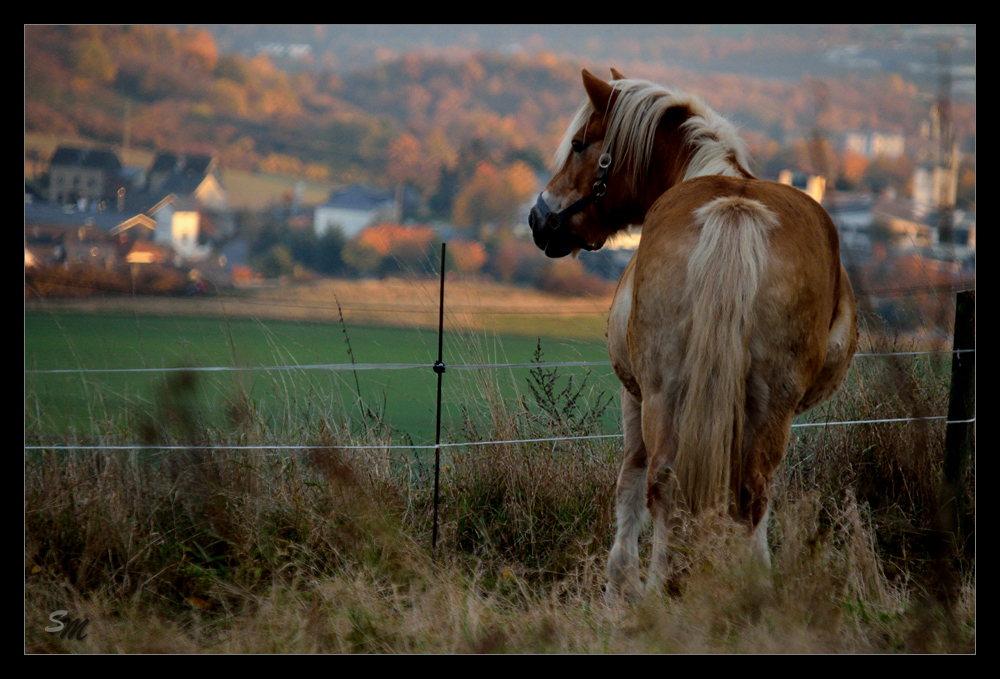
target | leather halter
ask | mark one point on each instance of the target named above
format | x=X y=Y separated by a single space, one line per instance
x=553 y=221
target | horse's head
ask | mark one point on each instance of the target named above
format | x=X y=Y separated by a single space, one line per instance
x=571 y=214
x=630 y=142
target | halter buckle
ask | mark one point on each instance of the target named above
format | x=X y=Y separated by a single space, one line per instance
x=600 y=187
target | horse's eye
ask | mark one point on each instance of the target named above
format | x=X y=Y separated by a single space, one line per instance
x=579 y=146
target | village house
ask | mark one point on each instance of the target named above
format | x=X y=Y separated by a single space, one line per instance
x=171 y=217
x=185 y=196
x=178 y=223
x=54 y=234
x=167 y=166
x=354 y=208
x=874 y=143
x=84 y=176
x=907 y=224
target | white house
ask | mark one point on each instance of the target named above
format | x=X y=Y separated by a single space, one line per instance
x=871 y=143
x=353 y=209
x=177 y=226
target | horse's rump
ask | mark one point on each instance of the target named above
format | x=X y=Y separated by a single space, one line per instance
x=711 y=343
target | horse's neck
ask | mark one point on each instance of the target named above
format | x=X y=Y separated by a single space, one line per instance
x=671 y=158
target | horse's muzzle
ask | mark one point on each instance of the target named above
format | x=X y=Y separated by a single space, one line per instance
x=546 y=238
x=551 y=235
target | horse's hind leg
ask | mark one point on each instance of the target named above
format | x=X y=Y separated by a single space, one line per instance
x=630 y=505
x=660 y=487
x=766 y=450
x=759 y=541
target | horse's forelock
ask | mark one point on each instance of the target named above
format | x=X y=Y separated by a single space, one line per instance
x=579 y=120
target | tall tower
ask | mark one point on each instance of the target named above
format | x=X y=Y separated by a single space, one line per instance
x=945 y=178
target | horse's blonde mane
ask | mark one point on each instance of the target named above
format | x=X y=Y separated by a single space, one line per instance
x=631 y=128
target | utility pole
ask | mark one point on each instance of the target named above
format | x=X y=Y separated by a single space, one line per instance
x=128 y=131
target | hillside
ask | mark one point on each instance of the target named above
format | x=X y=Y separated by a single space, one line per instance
x=428 y=117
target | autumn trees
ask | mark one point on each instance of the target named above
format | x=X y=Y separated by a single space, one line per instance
x=428 y=121
x=403 y=123
x=465 y=131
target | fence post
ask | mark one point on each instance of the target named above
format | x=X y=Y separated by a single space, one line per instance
x=958 y=448
x=439 y=369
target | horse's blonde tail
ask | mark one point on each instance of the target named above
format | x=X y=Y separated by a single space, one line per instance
x=723 y=275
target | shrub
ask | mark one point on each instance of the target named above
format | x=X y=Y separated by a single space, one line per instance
x=566 y=276
x=391 y=248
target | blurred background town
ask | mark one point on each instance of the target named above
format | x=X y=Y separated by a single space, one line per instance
x=199 y=160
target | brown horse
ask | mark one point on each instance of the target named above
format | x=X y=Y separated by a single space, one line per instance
x=734 y=314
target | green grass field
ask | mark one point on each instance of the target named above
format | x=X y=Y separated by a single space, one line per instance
x=77 y=402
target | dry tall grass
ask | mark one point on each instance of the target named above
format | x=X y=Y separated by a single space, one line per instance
x=328 y=550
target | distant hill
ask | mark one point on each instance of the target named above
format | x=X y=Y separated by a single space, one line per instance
x=765 y=51
x=428 y=104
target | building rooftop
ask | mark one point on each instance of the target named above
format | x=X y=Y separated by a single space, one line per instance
x=359 y=197
x=184 y=164
x=67 y=155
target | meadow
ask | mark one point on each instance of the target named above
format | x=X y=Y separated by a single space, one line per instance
x=68 y=403
x=326 y=548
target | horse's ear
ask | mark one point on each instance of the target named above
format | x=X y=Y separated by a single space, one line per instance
x=617 y=75
x=598 y=90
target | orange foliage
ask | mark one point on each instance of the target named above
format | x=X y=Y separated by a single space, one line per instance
x=178 y=81
x=439 y=151
x=277 y=163
x=566 y=276
x=408 y=163
x=317 y=173
x=387 y=248
x=854 y=166
x=917 y=286
x=492 y=195
x=404 y=158
x=200 y=45
x=906 y=271
x=466 y=256
x=912 y=270
x=396 y=239
x=521 y=180
x=518 y=262
x=477 y=203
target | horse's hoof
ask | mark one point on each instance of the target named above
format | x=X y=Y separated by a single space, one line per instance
x=627 y=594
x=610 y=596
